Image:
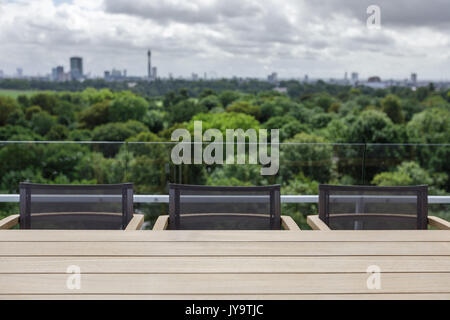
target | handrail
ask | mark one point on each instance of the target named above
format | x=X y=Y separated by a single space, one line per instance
x=161 y=198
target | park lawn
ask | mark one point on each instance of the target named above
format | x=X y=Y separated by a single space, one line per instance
x=15 y=93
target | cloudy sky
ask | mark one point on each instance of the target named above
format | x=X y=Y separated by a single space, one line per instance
x=321 y=38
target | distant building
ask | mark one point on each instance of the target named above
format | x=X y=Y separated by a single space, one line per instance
x=306 y=79
x=194 y=77
x=115 y=75
x=345 y=76
x=273 y=77
x=413 y=78
x=1 y=74
x=374 y=79
x=59 y=74
x=355 y=77
x=149 y=65
x=376 y=83
x=154 y=73
x=19 y=72
x=76 y=68
x=281 y=89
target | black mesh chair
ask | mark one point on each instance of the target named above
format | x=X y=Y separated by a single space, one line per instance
x=372 y=208
x=77 y=207
x=224 y=208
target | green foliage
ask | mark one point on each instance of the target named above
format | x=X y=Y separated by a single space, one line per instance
x=434 y=101
x=117 y=131
x=32 y=110
x=96 y=115
x=184 y=111
x=304 y=186
x=127 y=107
x=155 y=120
x=287 y=125
x=7 y=107
x=245 y=107
x=432 y=126
x=46 y=101
x=308 y=154
x=42 y=122
x=210 y=102
x=372 y=127
x=410 y=173
x=391 y=105
x=237 y=175
x=227 y=97
x=223 y=121
x=57 y=132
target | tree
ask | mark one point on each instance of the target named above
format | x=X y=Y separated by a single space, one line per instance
x=7 y=106
x=210 y=102
x=154 y=120
x=96 y=115
x=116 y=131
x=278 y=106
x=46 y=101
x=147 y=165
x=372 y=126
x=300 y=184
x=288 y=126
x=228 y=96
x=391 y=105
x=245 y=107
x=409 y=173
x=207 y=92
x=127 y=107
x=308 y=154
x=431 y=128
x=42 y=122
x=62 y=159
x=184 y=111
x=223 y=121
x=30 y=111
x=57 y=132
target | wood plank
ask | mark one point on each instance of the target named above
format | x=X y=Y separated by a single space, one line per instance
x=225 y=249
x=248 y=235
x=223 y=264
x=382 y=296
x=252 y=284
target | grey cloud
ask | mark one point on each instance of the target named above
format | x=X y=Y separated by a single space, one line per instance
x=184 y=12
x=400 y=13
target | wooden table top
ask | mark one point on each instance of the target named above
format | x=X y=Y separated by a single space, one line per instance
x=225 y=264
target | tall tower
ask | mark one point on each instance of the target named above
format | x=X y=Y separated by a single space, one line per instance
x=149 y=54
x=76 y=68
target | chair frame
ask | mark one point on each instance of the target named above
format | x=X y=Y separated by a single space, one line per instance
x=321 y=222
x=24 y=218
x=277 y=221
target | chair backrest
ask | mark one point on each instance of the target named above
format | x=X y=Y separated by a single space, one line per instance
x=78 y=207
x=374 y=208
x=224 y=208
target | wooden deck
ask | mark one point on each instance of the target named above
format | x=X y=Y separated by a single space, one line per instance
x=224 y=264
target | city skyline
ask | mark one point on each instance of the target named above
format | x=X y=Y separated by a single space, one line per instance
x=75 y=72
x=243 y=39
